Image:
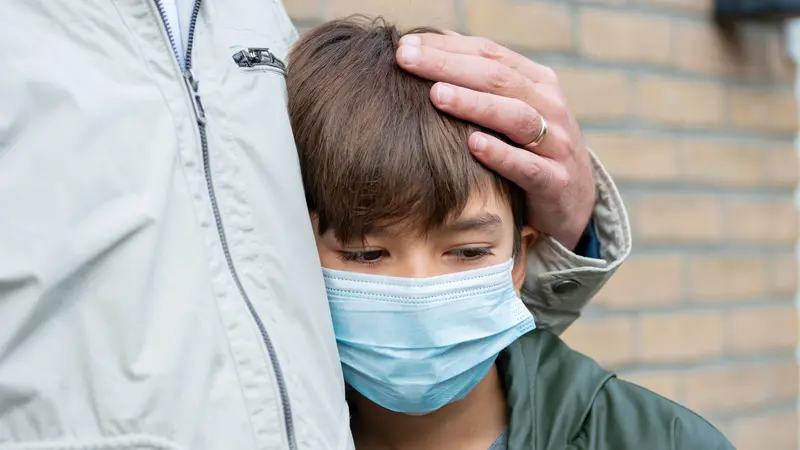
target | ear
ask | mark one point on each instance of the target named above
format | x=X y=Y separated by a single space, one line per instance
x=528 y=236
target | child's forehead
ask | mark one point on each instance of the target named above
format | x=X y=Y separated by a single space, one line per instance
x=485 y=198
x=486 y=210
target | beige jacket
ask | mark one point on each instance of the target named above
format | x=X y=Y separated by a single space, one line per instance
x=560 y=283
x=159 y=283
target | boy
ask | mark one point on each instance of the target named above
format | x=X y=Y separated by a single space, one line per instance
x=422 y=250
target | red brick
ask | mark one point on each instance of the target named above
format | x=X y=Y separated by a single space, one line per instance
x=688 y=336
x=667 y=101
x=697 y=6
x=406 y=13
x=770 y=222
x=702 y=47
x=728 y=277
x=778 y=66
x=596 y=95
x=783 y=166
x=609 y=341
x=625 y=36
x=514 y=24
x=662 y=383
x=739 y=387
x=763 y=110
x=678 y=218
x=783 y=272
x=636 y=157
x=750 y=52
x=723 y=163
x=753 y=330
x=774 y=432
x=643 y=281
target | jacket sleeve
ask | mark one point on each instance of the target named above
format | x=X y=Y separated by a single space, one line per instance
x=626 y=416
x=559 y=282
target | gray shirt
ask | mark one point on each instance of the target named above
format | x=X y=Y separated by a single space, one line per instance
x=501 y=443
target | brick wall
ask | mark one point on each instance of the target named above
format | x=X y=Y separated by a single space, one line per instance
x=698 y=131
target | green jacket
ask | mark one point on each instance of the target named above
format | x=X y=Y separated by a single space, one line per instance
x=559 y=399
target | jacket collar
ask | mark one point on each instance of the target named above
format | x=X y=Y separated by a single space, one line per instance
x=549 y=390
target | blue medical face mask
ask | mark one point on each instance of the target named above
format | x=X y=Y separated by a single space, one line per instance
x=414 y=345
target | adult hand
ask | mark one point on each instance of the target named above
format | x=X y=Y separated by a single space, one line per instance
x=490 y=85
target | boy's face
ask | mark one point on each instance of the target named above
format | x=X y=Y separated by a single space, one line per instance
x=483 y=235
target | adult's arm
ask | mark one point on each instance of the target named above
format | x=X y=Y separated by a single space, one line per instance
x=560 y=281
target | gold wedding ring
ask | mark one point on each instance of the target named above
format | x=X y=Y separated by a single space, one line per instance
x=542 y=133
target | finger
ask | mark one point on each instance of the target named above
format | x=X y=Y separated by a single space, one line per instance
x=526 y=169
x=486 y=48
x=469 y=71
x=509 y=116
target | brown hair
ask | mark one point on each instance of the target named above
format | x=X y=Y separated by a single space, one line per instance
x=373 y=149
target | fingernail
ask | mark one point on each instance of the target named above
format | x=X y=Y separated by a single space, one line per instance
x=480 y=143
x=445 y=94
x=409 y=54
x=411 y=40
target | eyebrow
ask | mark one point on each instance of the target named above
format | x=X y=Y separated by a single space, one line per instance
x=483 y=222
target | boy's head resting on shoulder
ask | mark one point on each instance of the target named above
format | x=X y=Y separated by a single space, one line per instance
x=391 y=185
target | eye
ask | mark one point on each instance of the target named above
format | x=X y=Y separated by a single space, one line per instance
x=364 y=257
x=471 y=253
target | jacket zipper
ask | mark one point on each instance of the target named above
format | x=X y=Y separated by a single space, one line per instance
x=258 y=57
x=192 y=85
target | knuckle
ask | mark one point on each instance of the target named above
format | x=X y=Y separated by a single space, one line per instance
x=505 y=161
x=487 y=48
x=528 y=121
x=487 y=108
x=531 y=86
x=560 y=137
x=560 y=141
x=559 y=109
x=530 y=171
x=560 y=114
x=441 y=65
x=562 y=177
x=481 y=107
x=498 y=76
x=555 y=98
x=549 y=75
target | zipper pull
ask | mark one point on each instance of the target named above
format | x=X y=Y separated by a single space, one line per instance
x=197 y=105
x=251 y=57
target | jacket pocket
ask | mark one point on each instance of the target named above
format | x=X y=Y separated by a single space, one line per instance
x=129 y=442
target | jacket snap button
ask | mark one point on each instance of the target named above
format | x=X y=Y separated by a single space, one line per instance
x=565 y=287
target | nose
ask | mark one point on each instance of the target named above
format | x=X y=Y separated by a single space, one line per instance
x=420 y=266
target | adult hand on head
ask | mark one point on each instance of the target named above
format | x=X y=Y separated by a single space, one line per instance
x=490 y=85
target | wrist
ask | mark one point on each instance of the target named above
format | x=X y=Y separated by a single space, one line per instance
x=571 y=232
x=571 y=235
